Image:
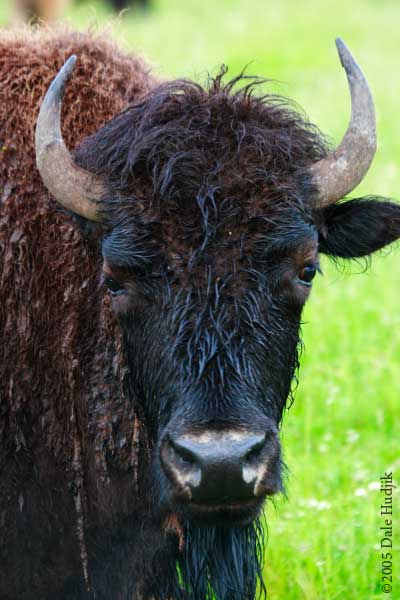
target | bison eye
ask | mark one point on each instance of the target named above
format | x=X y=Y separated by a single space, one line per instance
x=307 y=274
x=113 y=285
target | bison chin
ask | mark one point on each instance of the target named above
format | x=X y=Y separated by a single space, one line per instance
x=217 y=563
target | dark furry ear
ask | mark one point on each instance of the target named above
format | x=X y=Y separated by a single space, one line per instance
x=358 y=227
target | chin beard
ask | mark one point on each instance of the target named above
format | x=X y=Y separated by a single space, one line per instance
x=216 y=563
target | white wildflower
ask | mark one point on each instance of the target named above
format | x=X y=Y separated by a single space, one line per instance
x=352 y=436
x=374 y=485
x=317 y=504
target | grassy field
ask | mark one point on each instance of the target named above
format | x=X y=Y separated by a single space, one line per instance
x=342 y=432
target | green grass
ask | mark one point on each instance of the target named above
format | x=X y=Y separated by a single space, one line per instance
x=340 y=435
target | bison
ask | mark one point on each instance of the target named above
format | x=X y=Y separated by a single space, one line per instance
x=36 y=11
x=39 y=11
x=119 y=5
x=152 y=284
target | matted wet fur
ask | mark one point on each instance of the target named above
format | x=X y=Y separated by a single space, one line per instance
x=207 y=191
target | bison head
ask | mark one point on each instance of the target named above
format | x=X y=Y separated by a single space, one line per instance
x=215 y=204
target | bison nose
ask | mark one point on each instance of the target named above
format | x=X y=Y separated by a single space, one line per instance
x=217 y=466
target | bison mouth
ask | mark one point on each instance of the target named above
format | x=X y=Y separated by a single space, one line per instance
x=227 y=512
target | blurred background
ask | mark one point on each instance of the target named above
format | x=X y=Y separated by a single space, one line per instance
x=342 y=433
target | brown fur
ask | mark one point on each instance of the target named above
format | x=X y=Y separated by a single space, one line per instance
x=45 y=403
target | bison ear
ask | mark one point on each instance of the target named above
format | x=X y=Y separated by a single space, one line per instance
x=357 y=228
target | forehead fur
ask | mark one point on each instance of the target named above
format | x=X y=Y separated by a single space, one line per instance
x=199 y=167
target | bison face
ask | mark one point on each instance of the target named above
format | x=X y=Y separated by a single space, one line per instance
x=214 y=203
x=210 y=309
x=209 y=259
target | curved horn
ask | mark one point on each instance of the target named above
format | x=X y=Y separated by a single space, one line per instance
x=73 y=187
x=343 y=169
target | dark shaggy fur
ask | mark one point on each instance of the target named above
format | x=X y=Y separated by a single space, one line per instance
x=209 y=219
x=224 y=563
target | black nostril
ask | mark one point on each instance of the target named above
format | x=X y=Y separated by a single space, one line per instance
x=181 y=467
x=183 y=453
x=254 y=452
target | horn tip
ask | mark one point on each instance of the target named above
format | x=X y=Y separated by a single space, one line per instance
x=57 y=87
x=348 y=61
x=69 y=65
x=344 y=53
x=340 y=43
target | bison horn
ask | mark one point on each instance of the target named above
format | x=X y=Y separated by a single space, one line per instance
x=343 y=169
x=73 y=187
